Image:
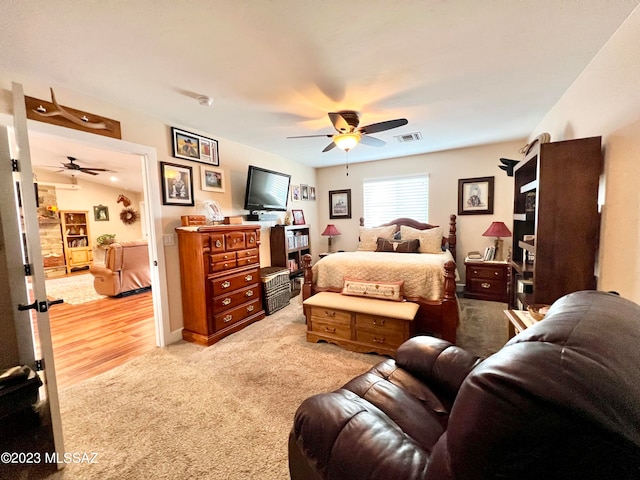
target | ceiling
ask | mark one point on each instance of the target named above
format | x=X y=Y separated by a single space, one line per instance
x=463 y=73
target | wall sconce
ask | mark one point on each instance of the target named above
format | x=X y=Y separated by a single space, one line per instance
x=331 y=231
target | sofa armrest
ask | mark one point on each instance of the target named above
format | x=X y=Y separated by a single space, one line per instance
x=440 y=364
x=100 y=271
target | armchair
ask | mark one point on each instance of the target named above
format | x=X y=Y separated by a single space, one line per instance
x=561 y=400
x=126 y=270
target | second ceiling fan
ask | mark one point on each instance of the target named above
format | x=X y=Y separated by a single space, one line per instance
x=350 y=134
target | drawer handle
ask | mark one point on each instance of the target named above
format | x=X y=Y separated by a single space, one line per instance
x=327 y=313
x=226 y=284
x=218 y=243
x=248 y=278
x=249 y=293
x=252 y=240
x=330 y=330
x=379 y=321
x=226 y=265
x=248 y=260
x=496 y=273
x=485 y=285
x=378 y=340
x=227 y=318
x=226 y=301
x=250 y=308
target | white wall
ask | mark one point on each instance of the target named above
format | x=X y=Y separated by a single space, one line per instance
x=605 y=100
x=444 y=169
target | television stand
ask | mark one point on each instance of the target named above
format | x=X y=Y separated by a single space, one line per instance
x=261 y=217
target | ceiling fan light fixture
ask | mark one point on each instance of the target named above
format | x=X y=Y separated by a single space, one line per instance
x=346 y=141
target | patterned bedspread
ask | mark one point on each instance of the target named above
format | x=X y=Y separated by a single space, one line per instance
x=423 y=273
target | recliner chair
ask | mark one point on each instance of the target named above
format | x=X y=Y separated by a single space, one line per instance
x=561 y=400
x=126 y=269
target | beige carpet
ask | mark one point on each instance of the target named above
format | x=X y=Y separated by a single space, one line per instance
x=74 y=289
x=222 y=412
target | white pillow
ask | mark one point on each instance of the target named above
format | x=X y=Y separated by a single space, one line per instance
x=369 y=237
x=430 y=240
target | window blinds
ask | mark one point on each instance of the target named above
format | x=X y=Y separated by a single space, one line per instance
x=386 y=199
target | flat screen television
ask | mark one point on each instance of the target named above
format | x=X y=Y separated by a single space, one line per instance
x=266 y=190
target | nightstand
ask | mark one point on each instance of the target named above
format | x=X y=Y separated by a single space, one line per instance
x=486 y=280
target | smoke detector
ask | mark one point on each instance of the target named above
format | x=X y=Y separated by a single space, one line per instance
x=205 y=101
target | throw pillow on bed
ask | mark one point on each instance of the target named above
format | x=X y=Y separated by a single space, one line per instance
x=370 y=289
x=430 y=240
x=404 y=246
x=369 y=237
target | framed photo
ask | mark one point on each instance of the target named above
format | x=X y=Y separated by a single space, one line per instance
x=177 y=184
x=197 y=148
x=304 y=192
x=101 y=213
x=312 y=193
x=298 y=217
x=340 y=203
x=295 y=192
x=212 y=179
x=475 y=196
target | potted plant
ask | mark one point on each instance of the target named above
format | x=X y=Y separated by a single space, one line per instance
x=106 y=239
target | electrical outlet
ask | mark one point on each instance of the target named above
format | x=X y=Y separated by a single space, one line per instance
x=168 y=239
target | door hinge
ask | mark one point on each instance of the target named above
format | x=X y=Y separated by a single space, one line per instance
x=40 y=364
x=27 y=269
x=15 y=166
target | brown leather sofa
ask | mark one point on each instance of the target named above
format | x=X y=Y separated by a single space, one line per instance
x=126 y=269
x=561 y=400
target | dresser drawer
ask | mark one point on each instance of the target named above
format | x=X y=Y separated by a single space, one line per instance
x=229 y=317
x=336 y=330
x=251 y=252
x=486 y=271
x=234 y=282
x=235 y=241
x=381 y=339
x=373 y=323
x=236 y=298
x=324 y=314
x=222 y=266
x=490 y=287
x=242 y=262
x=214 y=242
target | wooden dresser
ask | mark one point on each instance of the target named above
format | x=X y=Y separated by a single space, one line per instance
x=220 y=278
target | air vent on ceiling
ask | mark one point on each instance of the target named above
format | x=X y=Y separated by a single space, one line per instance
x=409 y=137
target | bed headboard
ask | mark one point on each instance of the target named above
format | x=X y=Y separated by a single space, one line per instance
x=448 y=242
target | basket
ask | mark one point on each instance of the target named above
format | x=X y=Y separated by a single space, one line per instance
x=276 y=288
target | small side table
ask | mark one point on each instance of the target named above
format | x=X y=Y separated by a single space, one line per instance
x=519 y=320
x=486 y=280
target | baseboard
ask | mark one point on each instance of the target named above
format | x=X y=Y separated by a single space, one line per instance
x=175 y=336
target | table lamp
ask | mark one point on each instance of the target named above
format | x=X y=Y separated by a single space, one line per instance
x=497 y=229
x=330 y=232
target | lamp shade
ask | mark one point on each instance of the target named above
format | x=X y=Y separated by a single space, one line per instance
x=346 y=141
x=330 y=231
x=497 y=229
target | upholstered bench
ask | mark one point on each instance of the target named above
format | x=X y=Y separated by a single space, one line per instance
x=358 y=323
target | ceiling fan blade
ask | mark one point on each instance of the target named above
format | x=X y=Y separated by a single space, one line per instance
x=329 y=147
x=328 y=135
x=382 y=126
x=88 y=171
x=372 y=141
x=96 y=169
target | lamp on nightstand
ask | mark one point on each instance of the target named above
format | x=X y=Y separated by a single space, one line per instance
x=331 y=231
x=497 y=229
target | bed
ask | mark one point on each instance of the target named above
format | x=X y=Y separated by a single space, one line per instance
x=429 y=279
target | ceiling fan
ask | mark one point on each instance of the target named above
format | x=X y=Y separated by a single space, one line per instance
x=74 y=166
x=350 y=134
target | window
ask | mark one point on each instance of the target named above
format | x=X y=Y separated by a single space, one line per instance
x=386 y=199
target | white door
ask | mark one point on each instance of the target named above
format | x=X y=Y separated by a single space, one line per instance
x=22 y=242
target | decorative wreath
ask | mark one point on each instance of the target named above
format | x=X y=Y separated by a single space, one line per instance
x=129 y=215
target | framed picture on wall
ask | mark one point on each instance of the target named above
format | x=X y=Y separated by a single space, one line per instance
x=212 y=179
x=475 y=196
x=177 y=184
x=101 y=213
x=340 y=203
x=190 y=146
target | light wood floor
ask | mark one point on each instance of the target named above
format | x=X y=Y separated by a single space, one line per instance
x=97 y=336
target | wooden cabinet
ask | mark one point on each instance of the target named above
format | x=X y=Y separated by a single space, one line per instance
x=220 y=280
x=76 y=240
x=486 y=281
x=555 y=221
x=289 y=243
